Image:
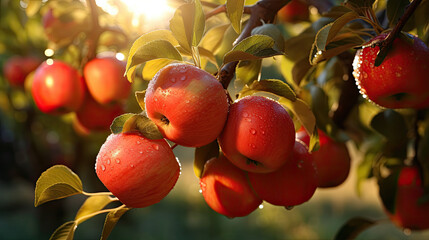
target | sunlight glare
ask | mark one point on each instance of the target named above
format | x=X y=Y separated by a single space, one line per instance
x=150 y=9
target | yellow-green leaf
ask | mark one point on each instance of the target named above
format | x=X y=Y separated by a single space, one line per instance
x=118 y=123
x=252 y=48
x=152 y=67
x=111 y=219
x=274 y=86
x=140 y=95
x=65 y=231
x=234 y=11
x=142 y=124
x=55 y=183
x=212 y=40
x=248 y=71
x=203 y=154
x=92 y=205
x=188 y=24
x=33 y=6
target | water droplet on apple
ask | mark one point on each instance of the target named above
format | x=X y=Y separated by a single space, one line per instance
x=183 y=78
x=138 y=142
x=173 y=80
x=263 y=132
x=103 y=167
x=141 y=152
x=252 y=145
x=248 y=119
x=156 y=147
x=132 y=165
x=118 y=161
x=365 y=75
x=200 y=191
x=398 y=74
x=108 y=161
x=245 y=115
x=187 y=101
x=155 y=99
x=407 y=231
x=253 y=131
x=261 y=206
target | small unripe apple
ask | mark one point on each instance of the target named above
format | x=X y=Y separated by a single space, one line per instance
x=332 y=159
x=17 y=68
x=138 y=171
x=96 y=117
x=57 y=88
x=188 y=105
x=408 y=212
x=294 y=11
x=401 y=80
x=105 y=79
x=226 y=190
x=259 y=134
x=292 y=184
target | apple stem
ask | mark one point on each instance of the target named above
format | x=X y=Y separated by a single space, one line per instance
x=174 y=146
x=388 y=41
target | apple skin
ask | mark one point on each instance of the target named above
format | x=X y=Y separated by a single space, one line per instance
x=259 y=134
x=226 y=190
x=96 y=117
x=332 y=159
x=17 y=68
x=293 y=184
x=293 y=12
x=138 y=171
x=105 y=80
x=408 y=212
x=58 y=88
x=188 y=105
x=401 y=79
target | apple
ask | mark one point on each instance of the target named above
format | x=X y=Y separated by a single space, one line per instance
x=408 y=212
x=401 y=79
x=259 y=134
x=138 y=171
x=188 y=105
x=293 y=12
x=105 y=79
x=57 y=88
x=60 y=27
x=226 y=190
x=332 y=159
x=96 y=117
x=17 y=68
x=292 y=184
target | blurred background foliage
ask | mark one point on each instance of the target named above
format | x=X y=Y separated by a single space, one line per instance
x=31 y=142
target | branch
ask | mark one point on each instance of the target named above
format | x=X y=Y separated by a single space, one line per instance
x=94 y=34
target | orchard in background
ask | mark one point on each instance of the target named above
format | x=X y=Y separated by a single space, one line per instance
x=271 y=96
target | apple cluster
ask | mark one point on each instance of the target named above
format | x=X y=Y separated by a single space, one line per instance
x=95 y=96
x=261 y=158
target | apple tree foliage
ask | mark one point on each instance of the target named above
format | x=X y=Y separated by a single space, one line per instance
x=231 y=39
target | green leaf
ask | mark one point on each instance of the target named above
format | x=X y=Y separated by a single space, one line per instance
x=188 y=25
x=395 y=9
x=142 y=124
x=234 y=11
x=388 y=189
x=272 y=31
x=320 y=106
x=300 y=70
x=298 y=47
x=338 y=24
x=65 y=231
x=92 y=205
x=152 y=67
x=359 y=3
x=353 y=228
x=248 y=71
x=140 y=95
x=118 y=123
x=212 y=40
x=342 y=43
x=391 y=125
x=203 y=154
x=55 y=183
x=252 y=48
x=33 y=6
x=273 y=86
x=336 y=12
x=150 y=51
x=111 y=219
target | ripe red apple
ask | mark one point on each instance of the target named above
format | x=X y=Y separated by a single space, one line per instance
x=57 y=88
x=188 y=105
x=226 y=190
x=105 y=79
x=408 y=212
x=259 y=134
x=17 y=68
x=138 y=171
x=292 y=184
x=293 y=12
x=401 y=80
x=332 y=159
x=96 y=117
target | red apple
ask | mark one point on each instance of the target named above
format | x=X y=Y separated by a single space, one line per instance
x=259 y=134
x=57 y=88
x=188 y=105
x=96 y=117
x=105 y=79
x=293 y=184
x=408 y=212
x=401 y=80
x=17 y=68
x=293 y=12
x=138 y=171
x=332 y=159
x=226 y=190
